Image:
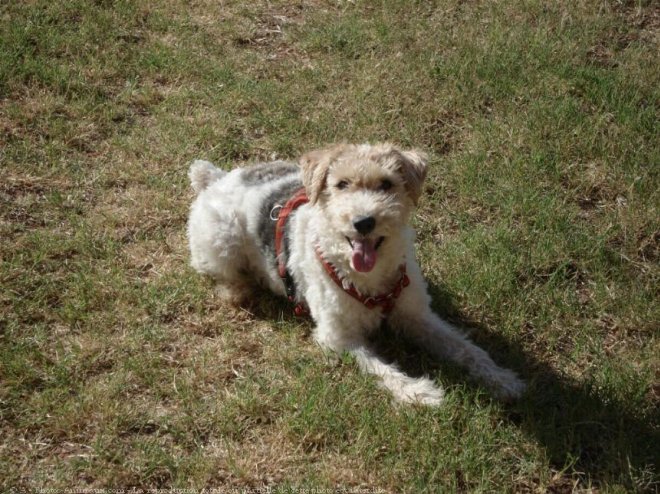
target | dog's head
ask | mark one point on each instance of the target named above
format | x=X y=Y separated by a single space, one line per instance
x=366 y=192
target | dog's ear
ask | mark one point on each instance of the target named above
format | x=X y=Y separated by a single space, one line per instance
x=315 y=166
x=413 y=170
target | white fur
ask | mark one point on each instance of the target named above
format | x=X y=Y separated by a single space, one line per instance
x=223 y=233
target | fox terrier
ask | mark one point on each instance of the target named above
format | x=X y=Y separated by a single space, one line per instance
x=331 y=232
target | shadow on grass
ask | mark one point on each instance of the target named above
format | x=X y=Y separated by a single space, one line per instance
x=600 y=439
x=581 y=429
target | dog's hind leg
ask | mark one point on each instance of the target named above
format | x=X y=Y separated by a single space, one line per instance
x=217 y=249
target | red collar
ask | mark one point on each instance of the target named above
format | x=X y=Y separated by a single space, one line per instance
x=384 y=300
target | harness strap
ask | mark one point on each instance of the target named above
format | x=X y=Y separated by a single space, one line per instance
x=298 y=199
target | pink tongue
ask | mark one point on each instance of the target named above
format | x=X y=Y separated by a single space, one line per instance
x=364 y=255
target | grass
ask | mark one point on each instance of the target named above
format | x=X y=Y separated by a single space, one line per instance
x=538 y=229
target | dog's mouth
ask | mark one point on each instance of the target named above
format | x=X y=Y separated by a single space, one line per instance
x=364 y=255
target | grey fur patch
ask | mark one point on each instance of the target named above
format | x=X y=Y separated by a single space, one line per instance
x=267 y=172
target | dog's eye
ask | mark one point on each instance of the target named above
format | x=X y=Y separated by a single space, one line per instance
x=385 y=185
x=342 y=184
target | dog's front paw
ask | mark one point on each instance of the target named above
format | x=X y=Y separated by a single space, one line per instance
x=422 y=391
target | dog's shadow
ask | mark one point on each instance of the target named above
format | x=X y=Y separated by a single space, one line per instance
x=597 y=437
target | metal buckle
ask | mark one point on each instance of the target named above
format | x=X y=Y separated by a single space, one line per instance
x=277 y=208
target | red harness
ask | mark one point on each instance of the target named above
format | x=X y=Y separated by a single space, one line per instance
x=385 y=300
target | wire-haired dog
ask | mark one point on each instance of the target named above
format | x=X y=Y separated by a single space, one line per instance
x=332 y=233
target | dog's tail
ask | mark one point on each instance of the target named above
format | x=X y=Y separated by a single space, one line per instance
x=202 y=174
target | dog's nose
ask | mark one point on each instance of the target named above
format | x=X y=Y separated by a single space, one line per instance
x=364 y=224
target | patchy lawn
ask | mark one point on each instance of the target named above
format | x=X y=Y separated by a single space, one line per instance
x=538 y=231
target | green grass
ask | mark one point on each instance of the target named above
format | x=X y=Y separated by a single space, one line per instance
x=538 y=229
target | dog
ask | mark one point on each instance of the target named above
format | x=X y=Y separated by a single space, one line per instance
x=332 y=233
